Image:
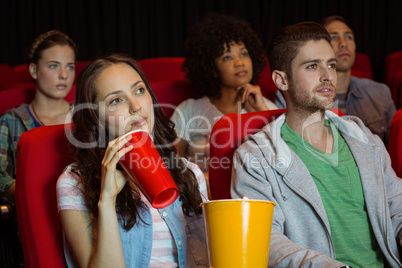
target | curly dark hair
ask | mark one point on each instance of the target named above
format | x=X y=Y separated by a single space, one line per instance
x=206 y=42
x=87 y=159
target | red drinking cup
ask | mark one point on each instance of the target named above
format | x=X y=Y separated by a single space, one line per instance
x=146 y=168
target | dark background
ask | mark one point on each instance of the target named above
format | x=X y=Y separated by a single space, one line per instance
x=157 y=28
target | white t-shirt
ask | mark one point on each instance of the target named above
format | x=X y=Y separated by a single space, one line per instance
x=194 y=119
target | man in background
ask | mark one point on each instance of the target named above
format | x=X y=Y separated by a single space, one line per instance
x=364 y=98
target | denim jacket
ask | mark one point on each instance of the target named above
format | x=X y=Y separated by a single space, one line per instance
x=372 y=103
x=188 y=231
x=188 y=234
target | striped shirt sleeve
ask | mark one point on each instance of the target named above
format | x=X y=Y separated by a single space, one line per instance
x=69 y=193
x=202 y=184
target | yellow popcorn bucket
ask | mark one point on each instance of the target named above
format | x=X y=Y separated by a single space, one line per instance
x=238 y=232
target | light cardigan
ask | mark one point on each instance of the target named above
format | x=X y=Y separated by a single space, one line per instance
x=301 y=234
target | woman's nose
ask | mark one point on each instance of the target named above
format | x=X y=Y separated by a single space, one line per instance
x=135 y=106
x=63 y=73
x=239 y=62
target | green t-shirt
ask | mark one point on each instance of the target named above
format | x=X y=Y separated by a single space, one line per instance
x=337 y=178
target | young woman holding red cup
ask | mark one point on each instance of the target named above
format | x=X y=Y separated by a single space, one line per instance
x=106 y=219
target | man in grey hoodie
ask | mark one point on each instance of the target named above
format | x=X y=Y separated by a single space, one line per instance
x=338 y=201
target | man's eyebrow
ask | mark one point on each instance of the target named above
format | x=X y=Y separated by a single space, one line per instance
x=338 y=33
x=318 y=61
x=311 y=61
x=332 y=60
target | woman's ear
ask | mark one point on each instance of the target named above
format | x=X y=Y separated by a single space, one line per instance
x=280 y=80
x=32 y=70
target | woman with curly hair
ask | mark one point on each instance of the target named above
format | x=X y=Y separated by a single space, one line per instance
x=106 y=220
x=224 y=59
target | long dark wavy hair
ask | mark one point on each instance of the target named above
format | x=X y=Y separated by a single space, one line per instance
x=88 y=160
x=206 y=42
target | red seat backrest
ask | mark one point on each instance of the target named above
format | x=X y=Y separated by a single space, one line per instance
x=79 y=67
x=395 y=143
x=43 y=153
x=8 y=78
x=360 y=74
x=23 y=75
x=396 y=89
x=172 y=93
x=71 y=95
x=392 y=65
x=363 y=64
x=228 y=134
x=267 y=85
x=14 y=97
x=162 y=68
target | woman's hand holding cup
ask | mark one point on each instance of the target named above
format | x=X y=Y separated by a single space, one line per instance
x=113 y=180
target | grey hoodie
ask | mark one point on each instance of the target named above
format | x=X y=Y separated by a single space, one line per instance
x=264 y=167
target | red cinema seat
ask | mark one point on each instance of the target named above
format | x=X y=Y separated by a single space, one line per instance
x=363 y=64
x=14 y=97
x=395 y=143
x=71 y=95
x=171 y=93
x=392 y=65
x=228 y=134
x=267 y=85
x=396 y=89
x=23 y=75
x=8 y=78
x=162 y=69
x=79 y=67
x=360 y=74
x=43 y=153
